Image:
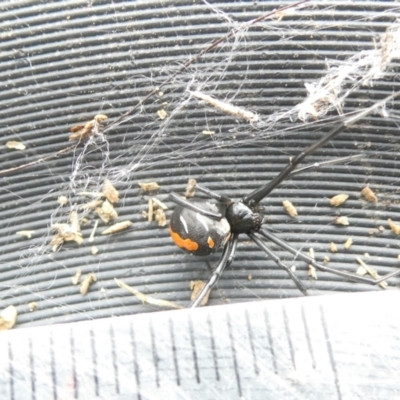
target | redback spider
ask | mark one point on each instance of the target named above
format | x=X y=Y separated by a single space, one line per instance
x=201 y=227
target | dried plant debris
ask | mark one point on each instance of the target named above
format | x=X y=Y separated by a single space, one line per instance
x=290 y=208
x=118 y=227
x=14 y=145
x=149 y=186
x=209 y=133
x=155 y=211
x=110 y=192
x=76 y=278
x=32 y=306
x=107 y=212
x=8 y=318
x=342 y=221
x=91 y=237
x=67 y=232
x=249 y=277
x=92 y=205
x=394 y=227
x=83 y=132
x=196 y=287
x=94 y=250
x=226 y=107
x=311 y=269
x=191 y=188
x=63 y=200
x=365 y=268
x=369 y=195
x=338 y=200
x=87 y=281
x=147 y=299
x=162 y=114
x=348 y=243
x=333 y=247
x=27 y=234
x=326 y=260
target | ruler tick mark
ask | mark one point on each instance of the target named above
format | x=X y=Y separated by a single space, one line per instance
x=251 y=339
x=289 y=336
x=308 y=338
x=32 y=366
x=53 y=366
x=10 y=369
x=74 y=377
x=171 y=331
x=213 y=349
x=194 y=352
x=155 y=355
x=94 y=358
x=135 y=364
x=270 y=341
x=330 y=352
x=114 y=357
x=235 y=364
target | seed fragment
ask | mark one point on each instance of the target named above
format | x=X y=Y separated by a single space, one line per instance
x=8 y=318
x=348 y=243
x=394 y=227
x=342 y=221
x=369 y=195
x=290 y=208
x=338 y=199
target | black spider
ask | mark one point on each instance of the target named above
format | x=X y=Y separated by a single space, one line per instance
x=202 y=227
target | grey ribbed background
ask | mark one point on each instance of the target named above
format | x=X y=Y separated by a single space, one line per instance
x=64 y=62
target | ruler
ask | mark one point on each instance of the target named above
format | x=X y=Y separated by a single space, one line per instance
x=332 y=347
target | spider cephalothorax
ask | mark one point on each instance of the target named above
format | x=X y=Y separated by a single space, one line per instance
x=201 y=227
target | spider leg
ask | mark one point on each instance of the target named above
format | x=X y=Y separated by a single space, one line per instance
x=213 y=195
x=257 y=195
x=268 y=235
x=278 y=261
x=227 y=257
x=190 y=206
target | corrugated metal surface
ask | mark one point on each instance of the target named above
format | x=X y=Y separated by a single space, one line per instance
x=64 y=62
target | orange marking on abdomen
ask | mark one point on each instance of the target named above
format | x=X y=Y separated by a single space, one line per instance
x=210 y=242
x=187 y=244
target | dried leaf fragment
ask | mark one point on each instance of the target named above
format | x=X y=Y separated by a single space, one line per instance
x=196 y=287
x=67 y=232
x=110 y=192
x=27 y=234
x=369 y=195
x=83 y=132
x=394 y=227
x=13 y=144
x=75 y=279
x=107 y=212
x=290 y=208
x=149 y=186
x=348 y=243
x=118 y=227
x=371 y=271
x=147 y=299
x=333 y=247
x=190 y=188
x=338 y=199
x=342 y=221
x=87 y=281
x=8 y=318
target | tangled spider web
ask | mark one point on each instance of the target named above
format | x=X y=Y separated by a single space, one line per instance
x=225 y=96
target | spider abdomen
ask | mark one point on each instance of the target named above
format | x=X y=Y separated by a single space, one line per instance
x=198 y=234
